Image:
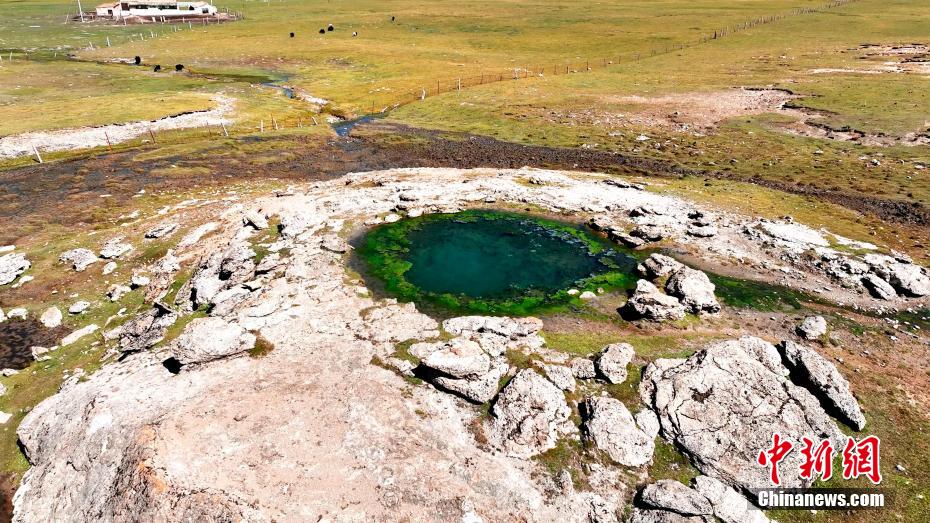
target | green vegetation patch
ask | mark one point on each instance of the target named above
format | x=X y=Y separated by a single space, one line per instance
x=493 y=262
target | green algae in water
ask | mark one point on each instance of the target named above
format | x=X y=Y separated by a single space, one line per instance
x=492 y=262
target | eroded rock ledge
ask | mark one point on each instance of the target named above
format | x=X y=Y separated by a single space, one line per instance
x=312 y=429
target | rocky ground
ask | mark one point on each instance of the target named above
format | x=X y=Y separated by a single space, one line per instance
x=265 y=381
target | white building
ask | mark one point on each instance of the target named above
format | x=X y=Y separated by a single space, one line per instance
x=155 y=8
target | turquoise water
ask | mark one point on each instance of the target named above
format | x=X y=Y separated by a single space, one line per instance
x=492 y=262
x=502 y=257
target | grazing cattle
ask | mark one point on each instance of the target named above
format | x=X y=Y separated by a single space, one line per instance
x=354 y=33
x=322 y=31
x=138 y=60
x=157 y=68
x=292 y=35
x=330 y=28
x=179 y=67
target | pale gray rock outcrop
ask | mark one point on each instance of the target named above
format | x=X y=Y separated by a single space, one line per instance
x=658 y=265
x=256 y=219
x=108 y=268
x=78 y=307
x=583 y=368
x=78 y=334
x=824 y=379
x=878 y=287
x=529 y=416
x=495 y=334
x=709 y=499
x=195 y=235
x=114 y=248
x=729 y=505
x=117 y=291
x=614 y=430
x=79 y=259
x=51 y=317
x=561 y=376
x=671 y=495
x=11 y=266
x=145 y=330
x=812 y=327
x=208 y=339
x=722 y=405
x=693 y=289
x=479 y=389
x=909 y=279
x=459 y=358
x=612 y=361
x=650 y=304
x=161 y=230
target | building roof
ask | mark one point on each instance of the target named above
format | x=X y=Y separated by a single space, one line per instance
x=108 y=5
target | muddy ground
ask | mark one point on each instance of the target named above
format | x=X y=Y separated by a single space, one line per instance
x=86 y=190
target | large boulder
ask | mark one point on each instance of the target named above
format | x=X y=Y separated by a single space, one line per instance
x=824 y=380
x=612 y=361
x=909 y=279
x=51 y=318
x=694 y=289
x=529 y=416
x=79 y=259
x=878 y=287
x=658 y=265
x=207 y=339
x=650 y=304
x=614 y=430
x=11 y=266
x=459 y=358
x=497 y=334
x=812 y=327
x=722 y=405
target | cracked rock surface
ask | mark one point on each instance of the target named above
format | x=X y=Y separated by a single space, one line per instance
x=722 y=405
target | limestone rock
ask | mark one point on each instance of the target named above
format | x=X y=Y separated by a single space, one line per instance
x=78 y=334
x=583 y=368
x=117 y=291
x=207 y=339
x=649 y=233
x=612 y=361
x=729 y=505
x=671 y=495
x=825 y=381
x=161 y=230
x=878 y=287
x=722 y=405
x=812 y=328
x=195 y=235
x=145 y=330
x=17 y=312
x=78 y=307
x=528 y=416
x=694 y=289
x=51 y=318
x=702 y=231
x=479 y=389
x=139 y=280
x=587 y=295
x=333 y=243
x=612 y=428
x=658 y=265
x=459 y=358
x=108 y=268
x=648 y=303
x=255 y=219
x=909 y=279
x=79 y=259
x=11 y=266
x=561 y=376
x=114 y=248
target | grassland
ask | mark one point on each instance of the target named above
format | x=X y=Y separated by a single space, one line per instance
x=65 y=75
